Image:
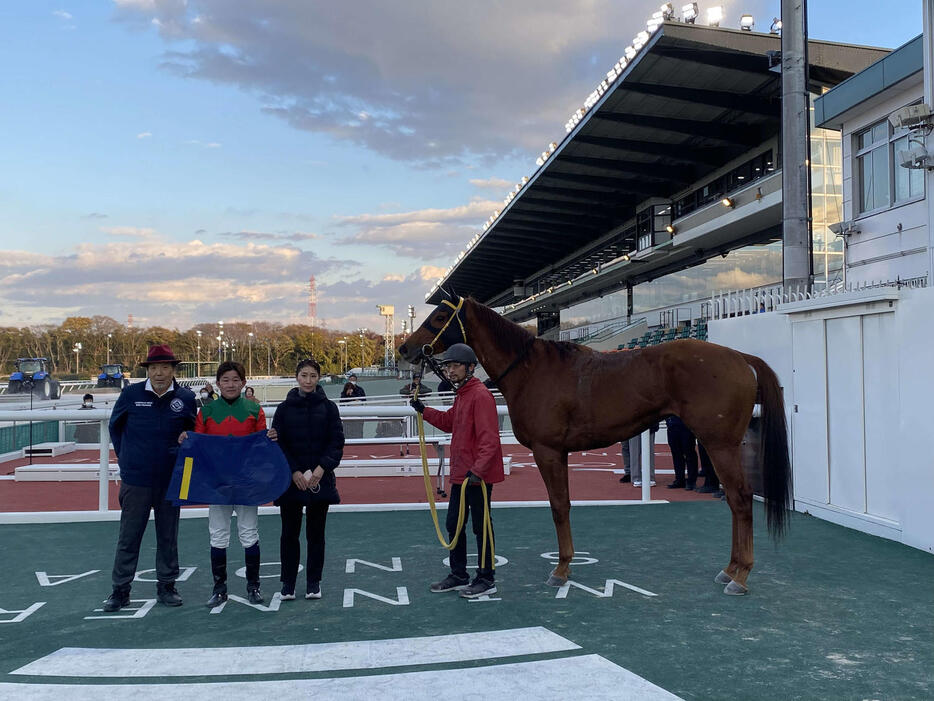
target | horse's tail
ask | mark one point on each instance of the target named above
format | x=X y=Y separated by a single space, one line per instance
x=773 y=449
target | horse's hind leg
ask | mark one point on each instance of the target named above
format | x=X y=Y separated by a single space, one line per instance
x=728 y=464
x=553 y=467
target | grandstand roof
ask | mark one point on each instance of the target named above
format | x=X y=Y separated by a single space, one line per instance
x=693 y=99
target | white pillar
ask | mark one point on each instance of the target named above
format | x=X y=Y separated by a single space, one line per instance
x=103 y=500
x=928 y=51
x=647 y=447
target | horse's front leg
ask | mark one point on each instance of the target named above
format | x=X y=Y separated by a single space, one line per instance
x=553 y=466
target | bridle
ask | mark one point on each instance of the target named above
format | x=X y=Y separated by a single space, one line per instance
x=428 y=349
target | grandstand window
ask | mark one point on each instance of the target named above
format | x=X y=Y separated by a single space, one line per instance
x=872 y=167
x=909 y=182
x=740 y=176
x=881 y=181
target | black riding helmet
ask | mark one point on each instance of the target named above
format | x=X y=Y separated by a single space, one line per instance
x=459 y=353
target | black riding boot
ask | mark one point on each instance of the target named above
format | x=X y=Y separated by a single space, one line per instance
x=251 y=555
x=219 y=570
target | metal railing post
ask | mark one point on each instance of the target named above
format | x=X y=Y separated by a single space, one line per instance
x=647 y=457
x=103 y=499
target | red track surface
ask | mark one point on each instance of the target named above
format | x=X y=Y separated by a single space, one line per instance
x=591 y=478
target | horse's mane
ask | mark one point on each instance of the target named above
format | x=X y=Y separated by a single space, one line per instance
x=513 y=337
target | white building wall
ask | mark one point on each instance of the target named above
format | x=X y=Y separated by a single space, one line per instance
x=858 y=385
x=893 y=243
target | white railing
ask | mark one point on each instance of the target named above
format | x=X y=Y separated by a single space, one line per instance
x=758 y=300
x=404 y=413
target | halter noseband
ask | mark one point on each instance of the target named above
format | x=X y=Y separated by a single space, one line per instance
x=428 y=348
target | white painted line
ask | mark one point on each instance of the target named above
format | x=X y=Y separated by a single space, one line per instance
x=586 y=676
x=11 y=517
x=282 y=659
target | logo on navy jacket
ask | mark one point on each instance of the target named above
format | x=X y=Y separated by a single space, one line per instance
x=177 y=405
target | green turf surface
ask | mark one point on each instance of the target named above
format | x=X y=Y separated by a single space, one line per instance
x=832 y=613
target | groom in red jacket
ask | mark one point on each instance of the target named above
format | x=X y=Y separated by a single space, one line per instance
x=476 y=454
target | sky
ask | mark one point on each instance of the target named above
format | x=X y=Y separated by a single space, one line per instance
x=195 y=161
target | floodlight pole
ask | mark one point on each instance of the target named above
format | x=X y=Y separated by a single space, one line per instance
x=796 y=139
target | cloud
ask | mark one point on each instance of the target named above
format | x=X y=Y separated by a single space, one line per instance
x=128 y=231
x=266 y=236
x=434 y=84
x=421 y=234
x=94 y=215
x=61 y=14
x=144 y=135
x=179 y=284
x=476 y=210
x=493 y=183
x=161 y=281
x=203 y=144
x=430 y=273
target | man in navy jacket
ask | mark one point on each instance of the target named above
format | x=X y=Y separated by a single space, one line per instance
x=144 y=428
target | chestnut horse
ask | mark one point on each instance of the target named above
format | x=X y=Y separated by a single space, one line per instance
x=563 y=397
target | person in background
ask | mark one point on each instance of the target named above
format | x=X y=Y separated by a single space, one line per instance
x=250 y=394
x=311 y=435
x=416 y=383
x=144 y=427
x=476 y=454
x=232 y=415
x=352 y=429
x=711 y=480
x=683 y=454
x=357 y=389
x=627 y=463
x=87 y=431
x=206 y=395
x=446 y=387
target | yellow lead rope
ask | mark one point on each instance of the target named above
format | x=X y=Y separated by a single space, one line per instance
x=461 y=513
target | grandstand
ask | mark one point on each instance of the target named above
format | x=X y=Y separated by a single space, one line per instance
x=666 y=188
x=659 y=216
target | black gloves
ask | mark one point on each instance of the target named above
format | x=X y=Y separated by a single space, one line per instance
x=472 y=478
x=417 y=405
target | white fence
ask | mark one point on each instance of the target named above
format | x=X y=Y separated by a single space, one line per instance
x=857 y=383
x=368 y=411
x=726 y=305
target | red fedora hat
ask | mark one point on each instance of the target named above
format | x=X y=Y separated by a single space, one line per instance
x=160 y=354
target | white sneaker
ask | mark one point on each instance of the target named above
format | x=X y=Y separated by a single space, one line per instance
x=637 y=483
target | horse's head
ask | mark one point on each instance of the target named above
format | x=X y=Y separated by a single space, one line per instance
x=443 y=328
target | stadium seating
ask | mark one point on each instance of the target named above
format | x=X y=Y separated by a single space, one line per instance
x=653 y=337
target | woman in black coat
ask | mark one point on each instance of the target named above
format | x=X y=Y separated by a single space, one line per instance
x=311 y=436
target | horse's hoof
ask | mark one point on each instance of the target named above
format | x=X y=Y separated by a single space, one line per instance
x=554 y=581
x=734 y=589
x=722 y=578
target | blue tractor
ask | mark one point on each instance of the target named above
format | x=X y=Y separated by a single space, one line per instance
x=112 y=376
x=32 y=376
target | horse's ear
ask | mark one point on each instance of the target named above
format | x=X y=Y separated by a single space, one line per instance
x=448 y=294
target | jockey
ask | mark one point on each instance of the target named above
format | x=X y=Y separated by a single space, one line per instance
x=476 y=454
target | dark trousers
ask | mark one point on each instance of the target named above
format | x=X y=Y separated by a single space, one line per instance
x=710 y=474
x=683 y=455
x=290 y=549
x=135 y=504
x=474 y=510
